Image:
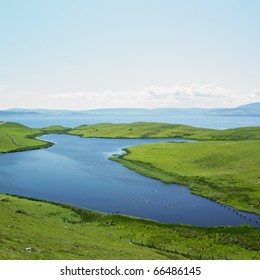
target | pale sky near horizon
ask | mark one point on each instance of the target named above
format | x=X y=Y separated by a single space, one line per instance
x=82 y=54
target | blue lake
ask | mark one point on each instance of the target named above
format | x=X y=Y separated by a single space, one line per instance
x=77 y=171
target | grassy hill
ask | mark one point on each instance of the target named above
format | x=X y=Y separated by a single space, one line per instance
x=16 y=137
x=55 y=129
x=225 y=171
x=56 y=231
x=164 y=130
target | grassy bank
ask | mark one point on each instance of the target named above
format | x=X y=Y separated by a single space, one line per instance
x=164 y=130
x=54 y=231
x=225 y=171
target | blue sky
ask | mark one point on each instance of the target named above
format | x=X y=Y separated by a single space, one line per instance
x=81 y=54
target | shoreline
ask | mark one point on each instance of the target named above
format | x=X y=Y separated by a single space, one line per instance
x=89 y=235
x=140 y=167
x=171 y=180
x=202 y=189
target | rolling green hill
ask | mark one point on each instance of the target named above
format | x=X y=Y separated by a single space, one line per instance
x=135 y=130
x=32 y=229
x=15 y=137
x=164 y=130
x=225 y=171
x=55 y=129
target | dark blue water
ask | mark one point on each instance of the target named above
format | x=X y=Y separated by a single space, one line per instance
x=76 y=170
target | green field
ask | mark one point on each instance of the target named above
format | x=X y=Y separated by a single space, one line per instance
x=55 y=129
x=15 y=137
x=55 y=231
x=224 y=171
x=164 y=130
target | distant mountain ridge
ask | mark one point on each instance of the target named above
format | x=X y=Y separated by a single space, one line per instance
x=252 y=109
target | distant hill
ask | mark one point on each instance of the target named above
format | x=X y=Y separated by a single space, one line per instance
x=252 y=109
x=11 y=113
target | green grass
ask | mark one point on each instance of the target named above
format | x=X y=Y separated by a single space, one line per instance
x=225 y=171
x=136 y=130
x=55 y=129
x=164 y=130
x=15 y=137
x=56 y=231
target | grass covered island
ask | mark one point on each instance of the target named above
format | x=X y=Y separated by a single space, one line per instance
x=223 y=165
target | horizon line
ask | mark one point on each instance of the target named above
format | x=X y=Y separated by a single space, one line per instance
x=125 y=108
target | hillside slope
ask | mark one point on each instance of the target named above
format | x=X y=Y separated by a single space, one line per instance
x=225 y=171
x=32 y=229
x=164 y=130
x=15 y=137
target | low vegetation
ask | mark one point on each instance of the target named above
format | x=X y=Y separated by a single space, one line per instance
x=32 y=229
x=55 y=129
x=164 y=130
x=224 y=171
x=16 y=137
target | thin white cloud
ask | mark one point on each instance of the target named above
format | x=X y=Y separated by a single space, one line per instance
x=175 y=96
x=206 y=96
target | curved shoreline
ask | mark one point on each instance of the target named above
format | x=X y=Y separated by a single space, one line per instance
x=88 y=234
x=137 y=166
x=203 y=189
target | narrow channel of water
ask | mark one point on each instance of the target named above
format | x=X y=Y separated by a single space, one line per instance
x=76 y=170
